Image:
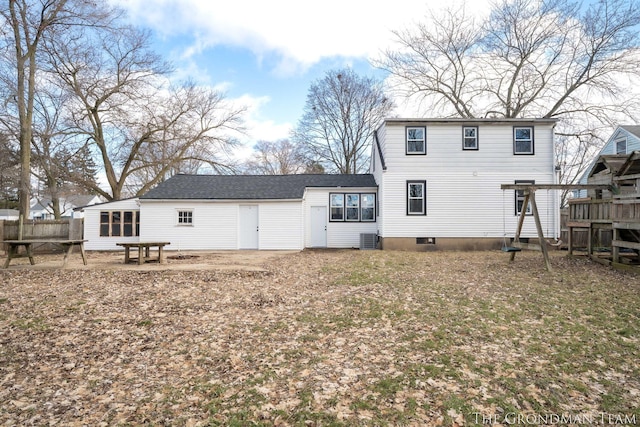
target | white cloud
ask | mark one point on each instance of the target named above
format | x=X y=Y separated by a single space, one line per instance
x=298 y=33
x=257 y=127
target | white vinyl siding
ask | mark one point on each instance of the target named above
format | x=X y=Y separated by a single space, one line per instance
x=342 y=234
x=217 y=225
x=281 y=225
x=215 y=228
x=464 y=198
x=92 y=225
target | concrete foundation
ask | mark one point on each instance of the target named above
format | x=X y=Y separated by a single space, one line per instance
x=440 y=243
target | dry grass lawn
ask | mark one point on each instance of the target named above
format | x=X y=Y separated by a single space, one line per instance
x=323 y=338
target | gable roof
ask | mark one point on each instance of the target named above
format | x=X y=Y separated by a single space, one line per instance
x=250 y=187
x=608 y=162
x=634 y=130
x=70 y=202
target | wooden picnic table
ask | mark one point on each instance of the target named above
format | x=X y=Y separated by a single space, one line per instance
x=14 y=245
x=143 y=251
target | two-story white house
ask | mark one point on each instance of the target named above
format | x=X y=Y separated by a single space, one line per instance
x=433 y=183
x=439 y=180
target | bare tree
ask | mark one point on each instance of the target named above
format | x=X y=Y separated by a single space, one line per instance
x=529 y=58
x=142 y=129
x=26 y=25
x=280 y=157
x=9 y=172
x=340 y=115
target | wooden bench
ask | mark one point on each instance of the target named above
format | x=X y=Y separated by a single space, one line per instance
x=143 y=251
x=14 y=245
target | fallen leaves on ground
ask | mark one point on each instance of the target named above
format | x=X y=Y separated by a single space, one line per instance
x=321 y=338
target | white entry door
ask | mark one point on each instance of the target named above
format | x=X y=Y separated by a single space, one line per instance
x=249 y=227
x=318 y=226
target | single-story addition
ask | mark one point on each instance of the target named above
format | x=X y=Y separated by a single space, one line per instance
x=229 y=212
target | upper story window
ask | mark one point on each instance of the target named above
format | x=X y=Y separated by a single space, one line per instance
x=621 y=146
x=185 y=217
x=416 y=140
x=119 y=223
x=416 y=197
x=352 y=207
x=523 y=140
x=469 y=137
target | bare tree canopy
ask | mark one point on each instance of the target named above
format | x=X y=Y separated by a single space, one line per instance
x=79 y=84
x=340 y=115
x=142 y=128
x=25 y=25
x=528 y=58
x=280 y=157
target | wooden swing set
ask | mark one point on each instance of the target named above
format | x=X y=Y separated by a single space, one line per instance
x=529 y=191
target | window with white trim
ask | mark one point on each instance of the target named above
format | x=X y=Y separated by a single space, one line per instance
x=185 y=217
x=519 y=195
x=336 y=202
x=352 y=207
x=368 y=207
x=470 y=137
x=416 y=197
x=416 y=140
x=523 y=140
x=621 y=145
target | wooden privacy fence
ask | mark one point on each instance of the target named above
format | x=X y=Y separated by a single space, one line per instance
x=66 y=229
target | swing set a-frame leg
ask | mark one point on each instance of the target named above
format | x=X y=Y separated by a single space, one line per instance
x=529 y=196
x=541 y=239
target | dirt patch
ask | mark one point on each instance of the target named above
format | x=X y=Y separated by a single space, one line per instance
x=191 y=260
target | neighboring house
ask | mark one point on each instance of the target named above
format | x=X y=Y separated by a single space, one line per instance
x=434 y=183
x=241 y=212
x=42 y=208
x=9 y=214
x=624 y=140
x=439 y=180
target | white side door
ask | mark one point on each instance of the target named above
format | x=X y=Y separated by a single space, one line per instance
x=318 y=226
x=249 y=227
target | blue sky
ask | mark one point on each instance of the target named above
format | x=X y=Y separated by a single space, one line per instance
x=265 y=54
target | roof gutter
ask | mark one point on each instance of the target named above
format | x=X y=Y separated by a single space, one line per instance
x=382 y=162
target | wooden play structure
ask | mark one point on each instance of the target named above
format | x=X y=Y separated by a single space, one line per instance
x=612 y=206
x=529 y=191
x=610 y=217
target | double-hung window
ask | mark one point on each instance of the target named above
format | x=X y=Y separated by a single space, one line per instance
x=352 y=207
x=519 y=195
x=185 y=217
x=621 y=145
x=337 y=207
x=523 y=140
x=368 y=207
x=416 y=197
x=416 y=140
x=470 y=137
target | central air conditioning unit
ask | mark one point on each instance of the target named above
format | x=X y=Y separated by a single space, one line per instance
x=368 y=241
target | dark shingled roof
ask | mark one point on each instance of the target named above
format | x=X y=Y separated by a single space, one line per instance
x=250 y=187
